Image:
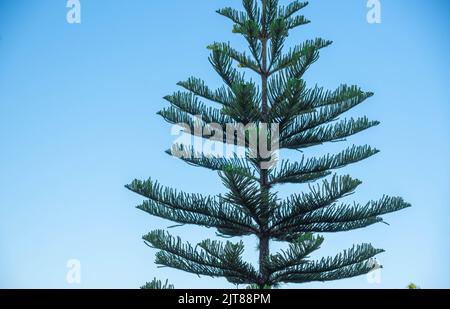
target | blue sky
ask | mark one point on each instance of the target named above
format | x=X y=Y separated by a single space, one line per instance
x=78 y=121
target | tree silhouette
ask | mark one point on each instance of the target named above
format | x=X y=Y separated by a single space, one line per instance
x=304 y=117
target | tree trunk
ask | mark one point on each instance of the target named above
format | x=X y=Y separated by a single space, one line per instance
x=264 y=249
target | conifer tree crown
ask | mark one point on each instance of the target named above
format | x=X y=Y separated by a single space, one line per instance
x=305 y=117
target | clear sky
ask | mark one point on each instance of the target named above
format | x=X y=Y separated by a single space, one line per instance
x=78 y=121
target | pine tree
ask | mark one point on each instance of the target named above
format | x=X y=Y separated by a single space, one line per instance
x=305 y=117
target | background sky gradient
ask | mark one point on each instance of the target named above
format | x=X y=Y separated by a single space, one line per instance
x=78 y=121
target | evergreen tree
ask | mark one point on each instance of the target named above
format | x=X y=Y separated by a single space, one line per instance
x=305 y=117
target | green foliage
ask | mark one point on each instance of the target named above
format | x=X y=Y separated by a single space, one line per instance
x=158 y=285
x=413 y=286
x=212 y=258
x=307 y=117
x=257 y=287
